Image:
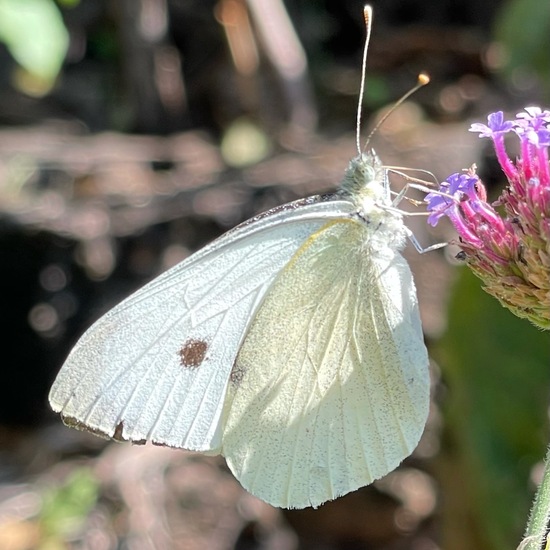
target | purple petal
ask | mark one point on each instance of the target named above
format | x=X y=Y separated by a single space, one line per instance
x=482 y=129
x=495 y=125
x=534 y=114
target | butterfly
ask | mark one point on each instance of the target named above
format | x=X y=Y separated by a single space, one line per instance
x=291 y=345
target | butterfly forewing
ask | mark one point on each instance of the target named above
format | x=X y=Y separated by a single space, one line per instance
x=156 y=367
x=330 y=388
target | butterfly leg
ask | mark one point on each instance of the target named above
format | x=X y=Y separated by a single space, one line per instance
x=419 y=248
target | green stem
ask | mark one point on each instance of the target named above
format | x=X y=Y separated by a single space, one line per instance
x=538 y=527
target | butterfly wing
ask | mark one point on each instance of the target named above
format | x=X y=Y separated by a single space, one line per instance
x=156 y=366
x=330 y=389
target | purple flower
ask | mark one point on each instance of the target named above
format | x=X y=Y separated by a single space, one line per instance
x=510 y=252
x=535 y=115
x=496 y=125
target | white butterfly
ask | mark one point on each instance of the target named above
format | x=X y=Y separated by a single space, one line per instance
x=291 y=345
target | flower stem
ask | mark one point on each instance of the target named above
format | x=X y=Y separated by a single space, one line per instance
x=538 y=527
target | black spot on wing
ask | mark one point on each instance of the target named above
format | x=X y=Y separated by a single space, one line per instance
x=192 y=353
x=237 y=374
x=119 y=435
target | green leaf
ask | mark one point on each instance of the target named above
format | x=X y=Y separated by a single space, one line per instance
x=34 y=32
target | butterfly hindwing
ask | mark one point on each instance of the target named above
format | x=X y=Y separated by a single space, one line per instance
x=330 y=389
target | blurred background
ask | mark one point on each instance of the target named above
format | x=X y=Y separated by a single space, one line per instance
x=132 y=132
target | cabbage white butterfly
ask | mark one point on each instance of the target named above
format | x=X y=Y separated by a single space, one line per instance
x=291 y=345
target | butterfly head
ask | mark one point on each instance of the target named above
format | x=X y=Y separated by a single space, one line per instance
x=365 y=180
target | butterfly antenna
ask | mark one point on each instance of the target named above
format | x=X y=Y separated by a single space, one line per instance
x=367 y=14
x=423 y=79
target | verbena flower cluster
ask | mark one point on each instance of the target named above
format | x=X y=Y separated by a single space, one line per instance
x=507 y=243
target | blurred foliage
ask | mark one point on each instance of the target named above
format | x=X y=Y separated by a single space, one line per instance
x=496 y=369
x=35 y=34
x=67 y=506
x=522 y=27
x=378 y=92
x=244 y=143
